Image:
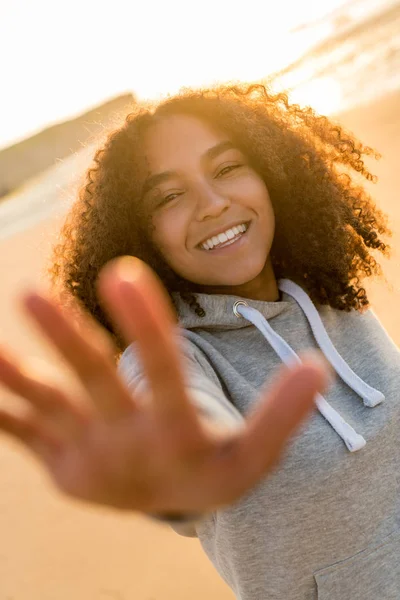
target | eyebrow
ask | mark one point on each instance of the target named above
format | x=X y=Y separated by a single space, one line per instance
x=211 y=153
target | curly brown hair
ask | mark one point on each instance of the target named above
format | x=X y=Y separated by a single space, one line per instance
x=325 y=222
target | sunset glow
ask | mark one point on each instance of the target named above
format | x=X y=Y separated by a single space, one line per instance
x=63 y=59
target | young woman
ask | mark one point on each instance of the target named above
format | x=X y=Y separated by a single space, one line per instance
x=218 y=244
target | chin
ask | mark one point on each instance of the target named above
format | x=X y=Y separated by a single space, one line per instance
x=233 y=279
x=235 y=273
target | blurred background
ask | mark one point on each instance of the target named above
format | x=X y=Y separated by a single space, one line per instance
x=69 y=73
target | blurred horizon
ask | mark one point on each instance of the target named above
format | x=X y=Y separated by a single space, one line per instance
x=75 y=58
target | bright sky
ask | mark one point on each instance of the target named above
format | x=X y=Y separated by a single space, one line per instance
x=59 y=59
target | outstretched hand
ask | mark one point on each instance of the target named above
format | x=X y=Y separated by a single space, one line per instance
x=152 y=454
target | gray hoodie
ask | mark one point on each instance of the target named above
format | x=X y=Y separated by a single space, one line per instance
x=326 y=523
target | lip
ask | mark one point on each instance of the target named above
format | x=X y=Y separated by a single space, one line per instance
x=218 y=231
x=231 y=247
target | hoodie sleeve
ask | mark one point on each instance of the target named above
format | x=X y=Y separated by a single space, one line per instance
x=204 y=390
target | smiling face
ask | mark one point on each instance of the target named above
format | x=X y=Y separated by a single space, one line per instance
x=200 y=184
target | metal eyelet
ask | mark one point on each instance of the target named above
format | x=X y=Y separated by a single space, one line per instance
x=235 y=312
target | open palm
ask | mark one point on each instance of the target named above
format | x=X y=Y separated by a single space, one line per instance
x=152 y=454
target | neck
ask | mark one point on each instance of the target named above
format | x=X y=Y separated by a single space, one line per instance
x=263 y=287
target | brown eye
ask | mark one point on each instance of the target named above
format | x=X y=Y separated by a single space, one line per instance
x=227 y=170
x=169 y=198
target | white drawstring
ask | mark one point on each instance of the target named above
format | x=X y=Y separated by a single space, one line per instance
x=351 y=438
x=371 y=397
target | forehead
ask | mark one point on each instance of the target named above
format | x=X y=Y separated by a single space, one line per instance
x=176 y=139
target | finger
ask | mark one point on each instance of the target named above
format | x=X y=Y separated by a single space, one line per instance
x=290 y=399
x=42 y=396
x=138 y=303
x=88 y=356
x=34 y=436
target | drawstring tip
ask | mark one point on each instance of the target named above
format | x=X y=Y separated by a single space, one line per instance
x=355 y=443
x=373 y=399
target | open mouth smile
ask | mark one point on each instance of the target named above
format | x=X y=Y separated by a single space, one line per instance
x=229 y=245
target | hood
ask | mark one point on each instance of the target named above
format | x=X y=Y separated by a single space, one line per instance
x=232 y=312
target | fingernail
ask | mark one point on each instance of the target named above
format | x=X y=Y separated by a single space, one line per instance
x=129 y=268
x=33 y=299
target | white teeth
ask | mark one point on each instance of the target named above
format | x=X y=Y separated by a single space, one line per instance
x=223 y=237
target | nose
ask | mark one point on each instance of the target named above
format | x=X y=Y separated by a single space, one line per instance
x=210 y=202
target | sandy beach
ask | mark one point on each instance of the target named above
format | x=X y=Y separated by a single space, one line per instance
x=55 y=549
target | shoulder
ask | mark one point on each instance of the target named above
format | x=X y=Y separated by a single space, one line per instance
x=191 y=354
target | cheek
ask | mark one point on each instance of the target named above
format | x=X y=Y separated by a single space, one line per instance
x=251 y=189
x=261 y=197
x=169 y=233
x=269 y=217
x=258 y=199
